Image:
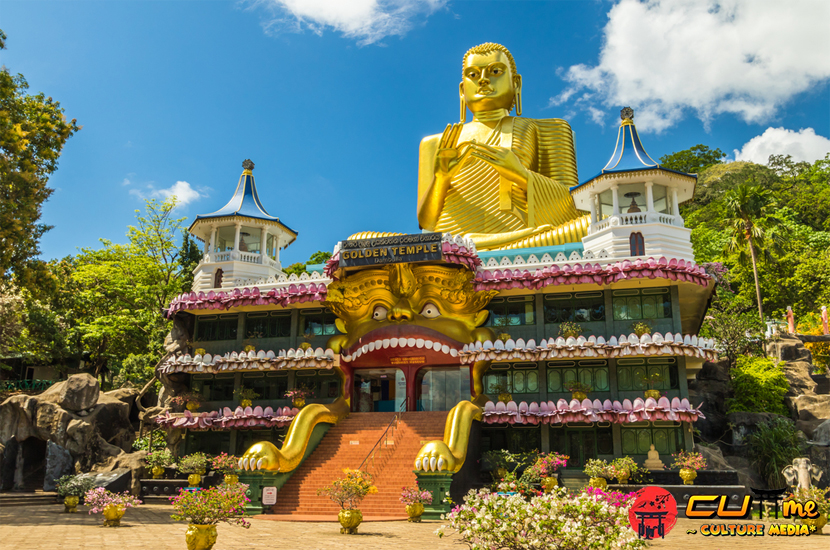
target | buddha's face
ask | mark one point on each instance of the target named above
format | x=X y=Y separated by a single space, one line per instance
x=487 y=83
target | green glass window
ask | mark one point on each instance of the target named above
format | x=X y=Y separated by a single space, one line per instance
x=318 y=322
x=511 y=312
x=638 y=440
x=593 y=372
x=636 y=304
x=579 y=307
x=515 y=439
x=522 y=378
x=215 y=327
x=211 y=387
x=581 y=444
x=263 y=325
x=631 y=374
x=324 y=383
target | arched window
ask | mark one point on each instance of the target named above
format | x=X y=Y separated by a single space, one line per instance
x=217 y=279
x=638 y=244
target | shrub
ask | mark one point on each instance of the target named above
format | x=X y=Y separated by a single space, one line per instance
x=589 y=520
x=227 y=464
x=759 y=385
x=774 y=445
x=159 y=441
x=100 y=498
x=193 y=464
x=73 y=486
x=225 y=503
x=414 y=495
x=161 y=458
x=692 y=461
x=596 y=467
x=811 y=324
x=349 y=491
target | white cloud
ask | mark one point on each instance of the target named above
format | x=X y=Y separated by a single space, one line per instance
x=367 y=21
x=803 y=145
x=183 y=191
x=745 y=57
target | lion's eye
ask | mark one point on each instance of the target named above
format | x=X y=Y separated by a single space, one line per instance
x=430 y=311
x=379 y=313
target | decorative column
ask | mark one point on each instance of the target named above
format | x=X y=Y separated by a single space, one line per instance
x=592 y=200
x=263 y=234
x=615 y=200
x=675 y=208
x=212 y=240
x=649 y=197
x=236 y=236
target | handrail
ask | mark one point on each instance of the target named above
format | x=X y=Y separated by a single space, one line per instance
x=394 y=421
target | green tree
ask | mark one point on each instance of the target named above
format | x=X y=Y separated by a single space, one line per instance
x=692 y=160
x=749 y=216
x=33 y=131
x=299 y=268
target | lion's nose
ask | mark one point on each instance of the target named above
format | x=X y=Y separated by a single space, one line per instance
x=402 y=311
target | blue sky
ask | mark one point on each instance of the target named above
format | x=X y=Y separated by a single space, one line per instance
x=330 y=98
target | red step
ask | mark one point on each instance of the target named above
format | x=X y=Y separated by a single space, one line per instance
x=392 y=465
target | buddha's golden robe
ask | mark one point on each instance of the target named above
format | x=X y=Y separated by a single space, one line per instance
x=479 y=201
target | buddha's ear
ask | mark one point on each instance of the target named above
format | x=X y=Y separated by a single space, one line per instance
x=517 y=83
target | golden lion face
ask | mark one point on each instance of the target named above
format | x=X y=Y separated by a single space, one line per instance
x=422 y=312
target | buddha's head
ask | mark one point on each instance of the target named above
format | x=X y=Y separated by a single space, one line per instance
x=489 y=79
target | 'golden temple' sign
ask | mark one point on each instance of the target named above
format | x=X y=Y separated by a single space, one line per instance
x=419 y=247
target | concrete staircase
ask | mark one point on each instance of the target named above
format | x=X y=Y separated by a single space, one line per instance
x=345 y=446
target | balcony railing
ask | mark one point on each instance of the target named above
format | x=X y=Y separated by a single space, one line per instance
x=234 y=256
x=635 y=218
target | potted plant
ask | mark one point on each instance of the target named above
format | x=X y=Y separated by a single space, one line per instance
x=569 y=329
x=689 y=464
x=204 y=509
x=651 y=381
x=249 y=348
x=298 y=395
x=199 y=351
x=229 y=466
x=578 y=390
x=599 y=471
x=246 y=396
x=348 y=492
x=641 y=328
x=72 y=488
x=623 y=468
x=818 y=496
x=195 y=465
x=496 y=462
x=111 y=505
x=502 y=322
x=158 y=461
x=503 y=392
x=414 y=499
x=190 y=400
x=308 y=336
x=547 y=465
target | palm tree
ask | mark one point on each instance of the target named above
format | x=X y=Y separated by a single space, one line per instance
x=751 y=220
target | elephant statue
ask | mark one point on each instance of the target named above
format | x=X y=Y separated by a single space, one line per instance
x=801 y=472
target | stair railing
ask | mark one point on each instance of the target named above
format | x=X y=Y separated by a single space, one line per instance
x=378 y=447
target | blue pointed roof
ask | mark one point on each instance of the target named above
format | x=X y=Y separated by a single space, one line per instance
x=245 y=201
x=629 y=153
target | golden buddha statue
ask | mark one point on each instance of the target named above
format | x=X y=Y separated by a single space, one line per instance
x=501 y=180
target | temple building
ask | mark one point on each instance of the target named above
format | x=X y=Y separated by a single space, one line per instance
x=583 y=347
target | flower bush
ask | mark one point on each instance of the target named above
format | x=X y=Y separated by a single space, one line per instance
x=576 y=385
x=652 y=380
x=641 y=328
x=99 y=498
x=300 y=392
x=414 y=495
x=568 y=329
x=589 y=520
x=156 y=438
x=185 y=398
x=544 y=466
x=73 y=486
x=161 y=458
x=813 y=493
x=246 y=393
x=596 y=467
x=193 y=464
x=348 y=492
x=227 y=464
x=693 y=461
x=225 y=504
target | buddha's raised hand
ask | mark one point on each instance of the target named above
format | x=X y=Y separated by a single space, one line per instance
x=448 y=159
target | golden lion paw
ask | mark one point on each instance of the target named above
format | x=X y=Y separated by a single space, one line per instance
x=261 y=456
x=435 y=456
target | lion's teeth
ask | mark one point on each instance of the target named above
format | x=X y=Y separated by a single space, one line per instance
x=419 y=343
x=393 y=342
x=385 y=343
x=410 y=342
x=445 y=348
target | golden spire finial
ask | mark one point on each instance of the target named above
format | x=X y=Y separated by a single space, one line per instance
x=627 y=116
x=247 y=167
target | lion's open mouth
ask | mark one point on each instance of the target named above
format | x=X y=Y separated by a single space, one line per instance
x=402 y=344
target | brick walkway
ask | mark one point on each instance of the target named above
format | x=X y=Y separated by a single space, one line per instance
x=150 y=527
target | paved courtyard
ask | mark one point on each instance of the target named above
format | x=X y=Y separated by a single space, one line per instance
x=150 y=527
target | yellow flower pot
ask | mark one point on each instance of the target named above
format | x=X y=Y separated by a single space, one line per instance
x=819 y=522
x=598 y=482
x=194 y=480
x=200 y=537
x=580 y=395
x=622 y=477
x=414 y=511
x=192 y=406
x=158 y=472
x=231 y=479
x=654 y=394
x=70 y=504
x=349 y=520
x=299 y=403
x=505 y=397
x=305 y=345
x=688 y=476
x=549 y=484
x=500 y=473
x=113 y=514
x=245 y=403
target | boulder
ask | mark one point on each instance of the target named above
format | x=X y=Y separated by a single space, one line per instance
x=711 y=389
x=747 y=474
x=798 y=375
x=117 y=480
x=58 y=464
x=821 y=435
x=134 y=463
x=9 y=464
x=714 y=457
x=77 y=393
x=789 y=348
x=744 y=423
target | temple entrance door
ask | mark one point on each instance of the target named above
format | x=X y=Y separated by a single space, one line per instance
x=378 y=390
x=441 y=388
